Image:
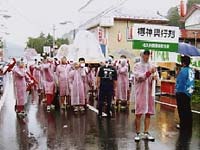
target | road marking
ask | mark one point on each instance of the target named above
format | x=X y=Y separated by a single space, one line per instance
x=8 y=89
x=163 y=103
x=166 y=104
x=1 y=102
x=96 y=110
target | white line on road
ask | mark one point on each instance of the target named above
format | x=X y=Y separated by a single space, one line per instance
x=1 y=102
x=5 y=85
x=163 y=103
x=8 y=92
x=95 y=110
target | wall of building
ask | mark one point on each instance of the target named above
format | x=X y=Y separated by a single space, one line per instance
x=120 y=26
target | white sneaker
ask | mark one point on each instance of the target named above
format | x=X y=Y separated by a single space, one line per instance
x=24 y=113
x=44 y=100
x=178 y=126
x=75 y=109
x=52 y=106
x=137 y=137
x=62 y=106
x=148 y=136
x=82 y=108
x=20 y=114
x=48 y=108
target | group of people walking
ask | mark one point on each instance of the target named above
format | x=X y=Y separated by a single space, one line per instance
x=69 y=80
x=72 y=80
x=110 y=81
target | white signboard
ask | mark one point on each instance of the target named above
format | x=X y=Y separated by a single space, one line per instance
x=157 y=37
x=46 y=49
x=156 y=33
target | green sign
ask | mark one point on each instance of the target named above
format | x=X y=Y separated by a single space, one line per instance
x=160 y=46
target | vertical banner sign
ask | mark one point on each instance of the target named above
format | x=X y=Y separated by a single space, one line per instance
x=46 y=49
x=155 y=37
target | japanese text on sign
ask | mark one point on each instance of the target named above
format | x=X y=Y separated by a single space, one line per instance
x=155 y=45
x=156 y=32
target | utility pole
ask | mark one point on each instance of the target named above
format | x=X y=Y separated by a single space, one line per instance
x=3 y=13
x=54 y=31
x=73 y=31
x=195 y=38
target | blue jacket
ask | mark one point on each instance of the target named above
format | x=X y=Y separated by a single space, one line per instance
x=185 y=81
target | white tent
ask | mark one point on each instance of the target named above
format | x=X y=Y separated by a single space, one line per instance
x=62 y=51
x=85 y=45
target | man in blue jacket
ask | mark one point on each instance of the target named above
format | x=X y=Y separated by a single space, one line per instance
x=184 y=90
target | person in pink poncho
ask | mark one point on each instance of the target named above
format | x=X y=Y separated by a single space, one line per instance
x=84 y=73
x=62 y=73
x=92 y=80
x=144 y=101
x=48 y=82
x=77 y=88
x=122 y=82
x=38 y=76
x=20 y=79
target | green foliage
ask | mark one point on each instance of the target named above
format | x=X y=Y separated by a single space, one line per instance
x=191 y=2
x=163 y=55
x=61 y=41
x=36 y=43
x=174 y=17
x=195 y=96
x=49 y=40
x=1 y=44
x=39 y=42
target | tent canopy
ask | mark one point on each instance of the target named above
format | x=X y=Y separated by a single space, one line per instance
x=85 y=45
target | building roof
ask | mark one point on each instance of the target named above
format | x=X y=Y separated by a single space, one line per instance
x=124 y=14
x=136 y=14
x=190 y=11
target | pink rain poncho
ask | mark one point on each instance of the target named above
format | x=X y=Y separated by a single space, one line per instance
x=92 y=79
x=19 y=79
x=84 y=74
x=144 y=101
x=77 y=88
x=48 y=78
x=62 y=73
x=122 y=81
x=37 y=74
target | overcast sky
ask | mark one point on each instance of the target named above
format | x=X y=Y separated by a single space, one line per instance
x=30 y=17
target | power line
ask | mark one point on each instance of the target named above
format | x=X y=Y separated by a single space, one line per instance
x=106 y=11
x=84 y=6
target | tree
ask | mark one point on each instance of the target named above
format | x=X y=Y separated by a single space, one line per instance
x=174 y=17
x=39 y=42
x=173 y=14
x=36 y=43
x=49 y=40
x=1 y=43
x=191 y=2
x=61 y=41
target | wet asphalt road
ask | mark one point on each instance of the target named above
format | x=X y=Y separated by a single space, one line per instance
x=64 y=130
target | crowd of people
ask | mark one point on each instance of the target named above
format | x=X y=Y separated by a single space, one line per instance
x=70 y=81
x=73 y=81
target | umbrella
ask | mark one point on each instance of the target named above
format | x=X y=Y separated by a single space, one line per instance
x=187 y=49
